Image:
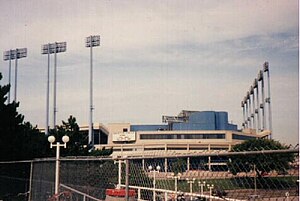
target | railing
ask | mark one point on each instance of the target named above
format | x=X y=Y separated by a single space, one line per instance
x=176 y=193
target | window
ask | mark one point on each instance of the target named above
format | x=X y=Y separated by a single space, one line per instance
x=242 y=137
x=181 y=136
x=125 y=130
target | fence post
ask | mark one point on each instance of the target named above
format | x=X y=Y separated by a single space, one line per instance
x=30 y=181
x=139 y=194
x=127 y=180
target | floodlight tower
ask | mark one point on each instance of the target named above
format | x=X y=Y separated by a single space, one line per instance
x=15 y=54
x=19 y=53
x=249 y=111
x=243 y=106
x=268 y=99
x=48 y=49
x=91 y=41
x=260 y=77
x=246 y=112
x=9 y=55
x=255 y=86
x=251 y=90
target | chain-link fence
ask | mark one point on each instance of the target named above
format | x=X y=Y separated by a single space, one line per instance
x=15 y=180
x=219 y=175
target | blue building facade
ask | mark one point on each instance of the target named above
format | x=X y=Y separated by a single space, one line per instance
x=192 y=120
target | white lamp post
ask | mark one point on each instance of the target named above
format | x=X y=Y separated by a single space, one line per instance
x=119 y=172
x=51 y=139
x=210 y=187
x=154 y=179
x=191 y=182
x=176 y=178
x=201 y=186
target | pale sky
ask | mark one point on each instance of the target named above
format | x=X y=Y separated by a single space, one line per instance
x=156 y=58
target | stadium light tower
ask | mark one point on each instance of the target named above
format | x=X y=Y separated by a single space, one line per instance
x=255 y=86
x=91 y=41
x=8 y=55
x=251 y=90
x=260 y=78
x=48 y=49
x=15 y=54
x=268 y=99
x=243 y=106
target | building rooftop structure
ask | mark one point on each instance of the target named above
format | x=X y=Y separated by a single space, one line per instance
x=191 y=120
x=189 y=132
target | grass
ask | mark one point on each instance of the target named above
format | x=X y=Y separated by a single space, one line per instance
x=267 y=183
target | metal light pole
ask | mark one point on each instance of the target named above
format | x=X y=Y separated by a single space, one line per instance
x=246 y=109
x=9 y=55
x=251 y=91
x=243 y=106
x=154 y=178
x=191 y=182
x=51 y=139
x=16 y=74
x=249 y=110
x=255 y=86
x=210 y=187
x=19 y=53
x=48 y=49
x=201 y=186
x=268 y=99
x=54 y=88
x=260 y=77
x=14 y=54
x=253 y=110
x=91 y=41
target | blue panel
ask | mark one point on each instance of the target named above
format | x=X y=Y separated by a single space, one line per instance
x=206 y=117
x=221 y=120
x=232 y=127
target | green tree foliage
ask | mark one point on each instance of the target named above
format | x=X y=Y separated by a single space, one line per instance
x=178 y=166
x=261 y=163
x=78 y=140
x=78 y=144
x=19 y=140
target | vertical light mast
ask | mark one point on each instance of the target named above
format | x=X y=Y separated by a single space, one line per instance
x=91 y=41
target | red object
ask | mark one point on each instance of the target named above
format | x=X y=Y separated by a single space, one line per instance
x=119 y=192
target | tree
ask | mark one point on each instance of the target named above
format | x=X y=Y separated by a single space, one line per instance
x=18 y=140
x=78 y=144
x=78 y=140
x=261 y=163
x=178 y=165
